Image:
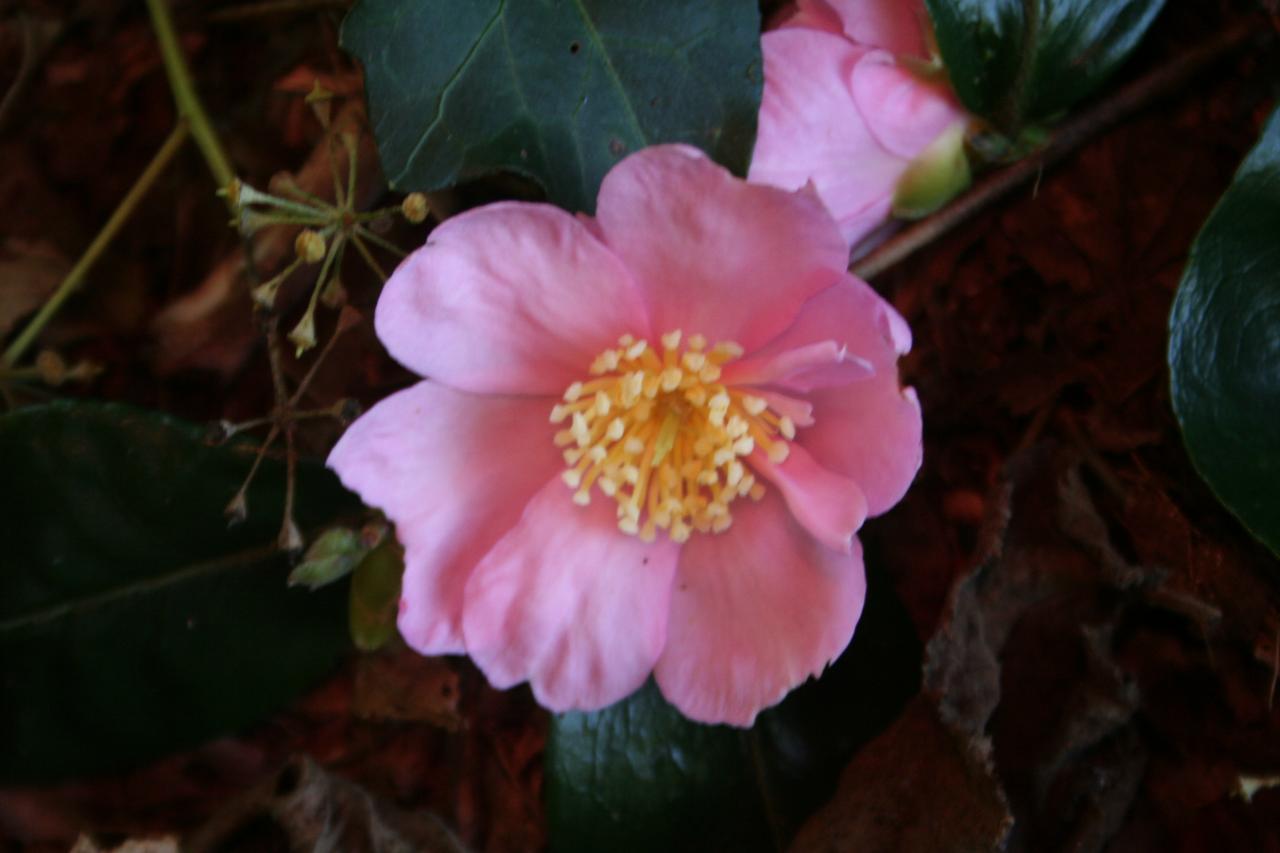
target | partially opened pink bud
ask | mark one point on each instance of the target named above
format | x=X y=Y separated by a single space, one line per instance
x=848 y=106
x=647 y=441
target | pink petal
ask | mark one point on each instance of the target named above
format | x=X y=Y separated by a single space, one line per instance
x=713 y=254
x=869 y=431
x=851 y=314
x=810 y=130
x=903 y=112
x=431 y=458
x=809 y=366
x=568 y=602
x=755 y=611
x=813 y=14
x=800 y=411
x=511 y=298
x=898 y=26
x=829 y=506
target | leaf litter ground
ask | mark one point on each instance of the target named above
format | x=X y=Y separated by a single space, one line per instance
x=1100 y=635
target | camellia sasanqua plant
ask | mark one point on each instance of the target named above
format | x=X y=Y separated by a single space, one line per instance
x=638 y=420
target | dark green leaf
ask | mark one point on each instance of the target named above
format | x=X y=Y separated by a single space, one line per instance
x=1020 y=62
x=132 y=621
x=639 y=776
x=1224 y=344
x=558 y=90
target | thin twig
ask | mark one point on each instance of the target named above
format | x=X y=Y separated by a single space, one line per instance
x=1139 y=94
x=74 y=278
x=27 y=65
x=184 y=94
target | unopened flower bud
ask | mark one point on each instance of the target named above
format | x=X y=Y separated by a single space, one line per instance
x=414 y=207
x=310 y=246
x=935 y=177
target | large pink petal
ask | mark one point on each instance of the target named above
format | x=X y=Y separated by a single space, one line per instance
x=755 y=611
x=895 y=25
x=830 y=506
x=570 y=603
x=713 y=254
x=804 y=368
x=511 y=298
x=810 y=130
x=851 y=314
x=869 y=431
x=903 y=112
x=440 y=464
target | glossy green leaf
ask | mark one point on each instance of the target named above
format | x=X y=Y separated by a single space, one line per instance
x=132 y=621
x=558 y=90
x=639 y=776
x=1224 y=344
x=1022 y=62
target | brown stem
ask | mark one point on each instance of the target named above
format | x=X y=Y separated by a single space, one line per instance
x=1161 y=83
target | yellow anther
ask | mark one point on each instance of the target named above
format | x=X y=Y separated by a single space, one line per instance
x=664 y=438
x=694 y=361
x=725 y=351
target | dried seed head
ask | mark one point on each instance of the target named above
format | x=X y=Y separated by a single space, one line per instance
x=414 y=207
x=51 y=367
x=310 y=246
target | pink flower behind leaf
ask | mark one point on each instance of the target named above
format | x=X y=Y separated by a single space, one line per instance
x=646 y=442
x=844 y=109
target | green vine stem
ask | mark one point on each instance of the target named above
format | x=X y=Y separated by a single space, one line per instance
x=74 y=278
x=184 y=93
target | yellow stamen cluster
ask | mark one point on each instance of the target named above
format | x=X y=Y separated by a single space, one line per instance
x=658 y=432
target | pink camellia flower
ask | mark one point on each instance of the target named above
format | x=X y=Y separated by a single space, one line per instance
x=845 y=108
x=646 y=441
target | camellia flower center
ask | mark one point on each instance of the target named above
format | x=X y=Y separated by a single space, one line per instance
x=660 y=434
